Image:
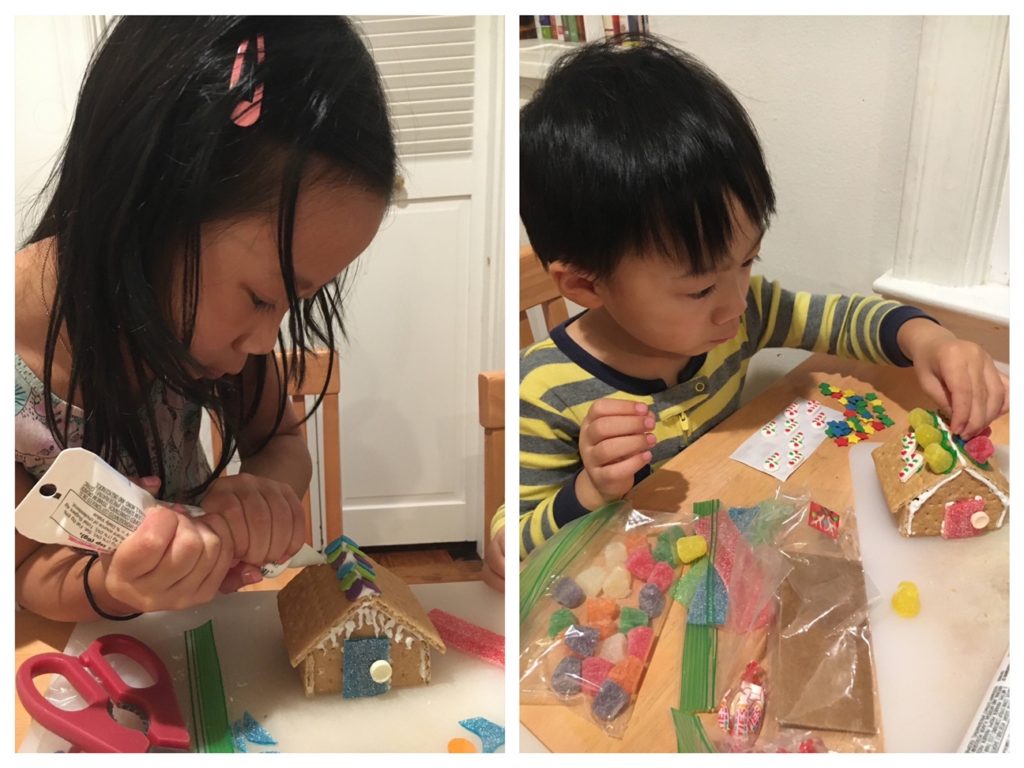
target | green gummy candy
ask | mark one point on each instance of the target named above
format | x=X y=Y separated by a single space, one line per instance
x=365 y=573
x=631 y=617
x=685 y=588
x=665 y=551
x=561 y=620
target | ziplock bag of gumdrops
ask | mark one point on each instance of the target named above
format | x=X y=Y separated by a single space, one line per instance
x=592 y=602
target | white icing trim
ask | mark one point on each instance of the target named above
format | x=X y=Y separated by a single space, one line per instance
x=424 y=660
x=369 y=615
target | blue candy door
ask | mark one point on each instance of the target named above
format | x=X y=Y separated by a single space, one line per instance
x=359 y=656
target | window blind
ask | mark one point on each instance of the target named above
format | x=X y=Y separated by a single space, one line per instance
x=427 y=66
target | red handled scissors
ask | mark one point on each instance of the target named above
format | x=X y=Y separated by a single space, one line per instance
x=94 y=728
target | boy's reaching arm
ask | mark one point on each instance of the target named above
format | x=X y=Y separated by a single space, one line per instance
x=857 y=327
x=959 y=375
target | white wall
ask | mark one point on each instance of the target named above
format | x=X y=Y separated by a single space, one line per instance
x=832 y=99
x=45 y=91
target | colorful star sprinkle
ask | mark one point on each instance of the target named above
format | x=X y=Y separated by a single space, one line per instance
x=864 y=415
x=492 y=735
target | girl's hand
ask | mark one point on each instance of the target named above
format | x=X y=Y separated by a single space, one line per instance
x=265 y=518
x=959 y=375
x=171 y=562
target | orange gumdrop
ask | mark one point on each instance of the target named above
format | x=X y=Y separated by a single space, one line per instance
x=461 y=745
x=601 y=609
x=627 y=674
x=605 y=628
x=634 y=540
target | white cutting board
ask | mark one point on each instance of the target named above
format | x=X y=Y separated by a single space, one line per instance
x=933 y=670
x=258 y=678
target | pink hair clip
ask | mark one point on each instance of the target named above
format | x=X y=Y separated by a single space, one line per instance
x=247 y=112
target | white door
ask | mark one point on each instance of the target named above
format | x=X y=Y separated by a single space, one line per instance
x=425 y=310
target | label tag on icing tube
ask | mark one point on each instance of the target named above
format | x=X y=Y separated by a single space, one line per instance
x=81 y=501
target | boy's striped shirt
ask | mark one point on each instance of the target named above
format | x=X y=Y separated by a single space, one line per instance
x=559 y=381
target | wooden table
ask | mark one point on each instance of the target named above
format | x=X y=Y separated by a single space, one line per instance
x=704 y=472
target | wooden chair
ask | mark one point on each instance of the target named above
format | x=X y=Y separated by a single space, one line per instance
x=330 y=479
x=491 y=391
x=536 y=288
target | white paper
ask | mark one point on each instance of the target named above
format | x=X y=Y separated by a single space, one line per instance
x=784 y=443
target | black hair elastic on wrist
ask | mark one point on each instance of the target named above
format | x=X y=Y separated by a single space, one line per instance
x=92 y=598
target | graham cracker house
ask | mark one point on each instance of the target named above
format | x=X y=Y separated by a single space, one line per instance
x=967 y=498
x=353 y=627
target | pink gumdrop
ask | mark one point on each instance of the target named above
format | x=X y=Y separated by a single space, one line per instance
x=638 y=642
x=979 y=448
x=640 y=563
x=594 y=671
x=662 y=575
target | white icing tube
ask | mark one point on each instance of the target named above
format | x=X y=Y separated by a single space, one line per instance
x=81 y=501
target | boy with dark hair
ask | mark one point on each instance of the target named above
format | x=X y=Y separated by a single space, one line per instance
x=645 y=193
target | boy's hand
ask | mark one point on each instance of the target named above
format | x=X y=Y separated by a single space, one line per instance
x=265 y=518
x=615 y=443
x=494 y=562
x=171 y=562
x=959 y=375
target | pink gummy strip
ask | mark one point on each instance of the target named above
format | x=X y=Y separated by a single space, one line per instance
x=469 y=638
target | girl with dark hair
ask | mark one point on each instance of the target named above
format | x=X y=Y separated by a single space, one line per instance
x=220 y=174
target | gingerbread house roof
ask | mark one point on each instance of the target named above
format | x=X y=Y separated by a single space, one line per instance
x=889 y=461
x=313 y=604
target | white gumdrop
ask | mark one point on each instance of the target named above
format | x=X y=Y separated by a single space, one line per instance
x=591 y=580
x=613 y=648
x=615 y=553
x=618 y=583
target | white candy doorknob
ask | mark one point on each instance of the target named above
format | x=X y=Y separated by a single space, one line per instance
x=979 y=520
x=380 y=671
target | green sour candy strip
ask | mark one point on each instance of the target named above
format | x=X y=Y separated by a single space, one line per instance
x=210 y=724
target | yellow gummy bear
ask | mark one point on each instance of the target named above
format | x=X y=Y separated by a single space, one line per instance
x=938 y=458
x=919 y=416
x=689 y=548
x=926 y=435
x=907 y=600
